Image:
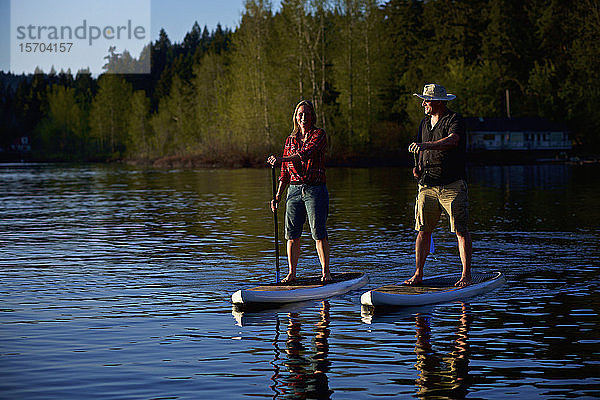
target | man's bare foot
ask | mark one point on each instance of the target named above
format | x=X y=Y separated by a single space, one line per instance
x=326 y=278
x=289 y=279
x=464 y=281
x=415 y=280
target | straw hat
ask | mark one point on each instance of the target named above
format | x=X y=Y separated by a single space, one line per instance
x=433 y=91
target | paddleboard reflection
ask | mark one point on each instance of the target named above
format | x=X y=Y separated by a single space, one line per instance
x=443 y=374
x=440 y=374
x=300 y=365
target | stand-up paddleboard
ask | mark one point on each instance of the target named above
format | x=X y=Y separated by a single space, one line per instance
x=437 y=289
x=264 y=315
x=301 y=289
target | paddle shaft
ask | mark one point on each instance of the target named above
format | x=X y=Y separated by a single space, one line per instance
x=274 y=181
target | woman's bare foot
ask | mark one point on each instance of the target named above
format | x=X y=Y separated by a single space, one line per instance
x=326 y=278
x=288 y=279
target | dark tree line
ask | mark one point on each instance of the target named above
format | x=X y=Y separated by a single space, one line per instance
x=227 y=96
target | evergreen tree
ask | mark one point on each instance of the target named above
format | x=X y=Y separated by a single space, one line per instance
x=192 y=39
x=220 y=40
x=162 y=57
x=205 y=40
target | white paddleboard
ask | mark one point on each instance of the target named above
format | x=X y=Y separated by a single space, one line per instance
x=436 y=289
x=301 y=289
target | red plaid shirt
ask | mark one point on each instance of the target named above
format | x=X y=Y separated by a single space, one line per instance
x=311 y=168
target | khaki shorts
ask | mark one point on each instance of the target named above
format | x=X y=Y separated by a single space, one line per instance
x=452 y=198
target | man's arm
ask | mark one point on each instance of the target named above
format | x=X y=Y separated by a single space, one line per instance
x=448 y=143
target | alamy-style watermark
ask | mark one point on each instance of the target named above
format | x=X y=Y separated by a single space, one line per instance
x=111 y=36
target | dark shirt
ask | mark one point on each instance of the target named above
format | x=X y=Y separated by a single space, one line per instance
x=311 y=168
x=441 y=167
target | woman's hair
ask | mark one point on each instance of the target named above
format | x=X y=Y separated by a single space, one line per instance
x=313 y=115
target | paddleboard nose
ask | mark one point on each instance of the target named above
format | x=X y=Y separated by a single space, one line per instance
x=365 y=299
x=236 y=298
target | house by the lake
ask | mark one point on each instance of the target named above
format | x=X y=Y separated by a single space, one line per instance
x=525 y=136
x=19 y=149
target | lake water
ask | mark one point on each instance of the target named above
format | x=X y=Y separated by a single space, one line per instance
x=116 y=283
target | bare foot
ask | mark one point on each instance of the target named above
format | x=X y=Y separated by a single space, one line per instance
x=415 y=280
x=464 y=281
x=326 y=278
x=288 y=279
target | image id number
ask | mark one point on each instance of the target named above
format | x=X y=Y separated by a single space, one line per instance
x=38 y=47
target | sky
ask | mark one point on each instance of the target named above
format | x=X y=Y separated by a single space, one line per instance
x=176 y=16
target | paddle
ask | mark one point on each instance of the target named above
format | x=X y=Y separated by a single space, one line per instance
x=273 y=179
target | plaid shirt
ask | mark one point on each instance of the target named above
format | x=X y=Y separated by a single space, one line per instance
x=311 y=168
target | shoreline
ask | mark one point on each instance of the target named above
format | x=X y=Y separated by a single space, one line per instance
x=351 y=161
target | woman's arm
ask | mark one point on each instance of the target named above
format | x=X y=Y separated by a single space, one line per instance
x=280 y=188
x=276 y=160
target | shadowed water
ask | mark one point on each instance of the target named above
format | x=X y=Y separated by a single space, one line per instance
x=115 y=284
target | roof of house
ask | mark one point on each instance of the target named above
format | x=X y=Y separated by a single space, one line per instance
x=520 y=124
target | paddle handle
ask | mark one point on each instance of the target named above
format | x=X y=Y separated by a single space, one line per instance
x=274 y=182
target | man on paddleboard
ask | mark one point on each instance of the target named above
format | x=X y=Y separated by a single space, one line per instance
x=440 y=170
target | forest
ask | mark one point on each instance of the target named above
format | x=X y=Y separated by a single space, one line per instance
x=225 y=97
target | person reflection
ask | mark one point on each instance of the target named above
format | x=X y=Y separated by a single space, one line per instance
x=445 y=376
x=307 y=378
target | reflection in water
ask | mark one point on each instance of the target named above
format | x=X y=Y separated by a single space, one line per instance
x=275 y=362
x=306 y=378
x=444 y=376
x=106 y=267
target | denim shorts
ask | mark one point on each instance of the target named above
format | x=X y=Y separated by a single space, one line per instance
x=453 y=199
x=304 y=201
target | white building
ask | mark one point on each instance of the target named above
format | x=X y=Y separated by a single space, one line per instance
x=526 y=133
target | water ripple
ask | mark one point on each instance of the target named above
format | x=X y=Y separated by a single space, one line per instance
x=108 y=272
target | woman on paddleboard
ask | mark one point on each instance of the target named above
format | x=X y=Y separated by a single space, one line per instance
x=303 y=170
